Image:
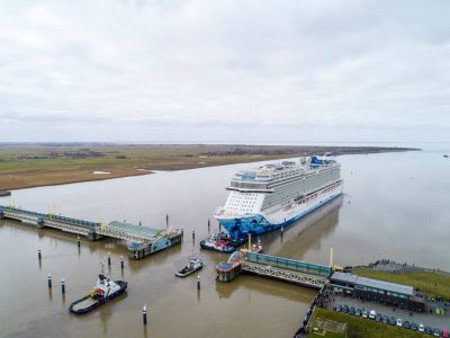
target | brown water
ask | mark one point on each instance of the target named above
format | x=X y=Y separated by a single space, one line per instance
x=395 y=206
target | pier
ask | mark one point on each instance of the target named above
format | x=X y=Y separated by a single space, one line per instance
x=141 y=240
x=285 y=269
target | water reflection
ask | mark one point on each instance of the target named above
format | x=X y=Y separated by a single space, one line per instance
x=307 y=232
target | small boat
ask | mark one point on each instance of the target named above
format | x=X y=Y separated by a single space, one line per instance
x=445 y=156
x=222 y=242
x=195 y=264
x=105 y=290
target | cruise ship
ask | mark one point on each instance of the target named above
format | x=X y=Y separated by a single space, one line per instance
x=275 y=195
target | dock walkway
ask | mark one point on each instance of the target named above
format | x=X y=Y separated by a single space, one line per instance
x=142 y=241
x=289 y=270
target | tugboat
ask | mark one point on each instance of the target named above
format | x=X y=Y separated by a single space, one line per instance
x=222 y=242
x=195 y=264
x=103 y=291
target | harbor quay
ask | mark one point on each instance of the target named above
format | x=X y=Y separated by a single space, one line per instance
x=141 y=240
x=337 y=287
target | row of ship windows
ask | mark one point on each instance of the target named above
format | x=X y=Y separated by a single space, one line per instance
x=283 y=197
x=241 y=209
x=243 y=202
x=322 y=175
x=290 y=174
x=300 y=189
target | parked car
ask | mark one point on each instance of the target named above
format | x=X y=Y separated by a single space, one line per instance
x=414 y=326
x=385 y=319
x=392 y=321
x=437 y=332
x=372 y=314
x=406 y=324
x=444 y=333
x=358 y=313
x=345 y=309
x=339 y=308
x=378 y=318
x=365 y=314
x=428 y=330
x=351 y=311
x=421 y=328
x=399 y=322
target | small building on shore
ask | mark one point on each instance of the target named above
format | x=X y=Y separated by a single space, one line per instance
x=376 y=290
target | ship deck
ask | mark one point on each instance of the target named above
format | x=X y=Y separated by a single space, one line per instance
x=86 y=302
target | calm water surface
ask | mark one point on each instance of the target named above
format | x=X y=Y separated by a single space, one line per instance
x=395 y=206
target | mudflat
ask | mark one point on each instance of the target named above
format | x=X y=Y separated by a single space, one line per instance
x=32 y=165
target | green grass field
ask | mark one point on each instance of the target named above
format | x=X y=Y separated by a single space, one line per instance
x=356 y=327
x=433 y=284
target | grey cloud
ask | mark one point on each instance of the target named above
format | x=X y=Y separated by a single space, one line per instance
x=181 y=67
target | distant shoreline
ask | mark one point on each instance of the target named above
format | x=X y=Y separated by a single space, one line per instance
x=39 y=165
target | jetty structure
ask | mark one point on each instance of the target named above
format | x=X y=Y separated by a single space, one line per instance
x=141 y=240
x=286 y=269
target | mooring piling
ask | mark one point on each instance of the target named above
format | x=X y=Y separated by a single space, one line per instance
x=63 y=286
x=198 y=283
x=49 y=280
x=144 y=314
x=121 y=262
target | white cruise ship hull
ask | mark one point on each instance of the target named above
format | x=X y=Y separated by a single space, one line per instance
x=282 y=216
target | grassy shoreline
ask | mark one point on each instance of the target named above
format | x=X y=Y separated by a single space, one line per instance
x=356 y=327
x=34 y=165
x=432 y=284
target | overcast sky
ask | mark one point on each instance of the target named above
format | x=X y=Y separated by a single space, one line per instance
x=225 y=71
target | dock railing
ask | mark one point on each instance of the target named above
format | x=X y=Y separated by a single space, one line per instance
x=290 y=264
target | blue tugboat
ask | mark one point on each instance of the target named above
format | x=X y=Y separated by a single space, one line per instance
x=103 y=291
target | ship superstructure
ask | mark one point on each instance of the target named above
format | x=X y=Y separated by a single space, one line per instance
x=275 y=195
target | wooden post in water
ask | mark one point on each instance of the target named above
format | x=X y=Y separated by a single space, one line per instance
x=49 y=280
x=331 y=257
x=167 y=220
x=198 y=282
x=209 y=225
x=63 y=286
x=193 y=235
x=121 y=262
x=39 y=254
x=109 y=258
x=78 y=241
x=249 y=241
x=144 y=314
